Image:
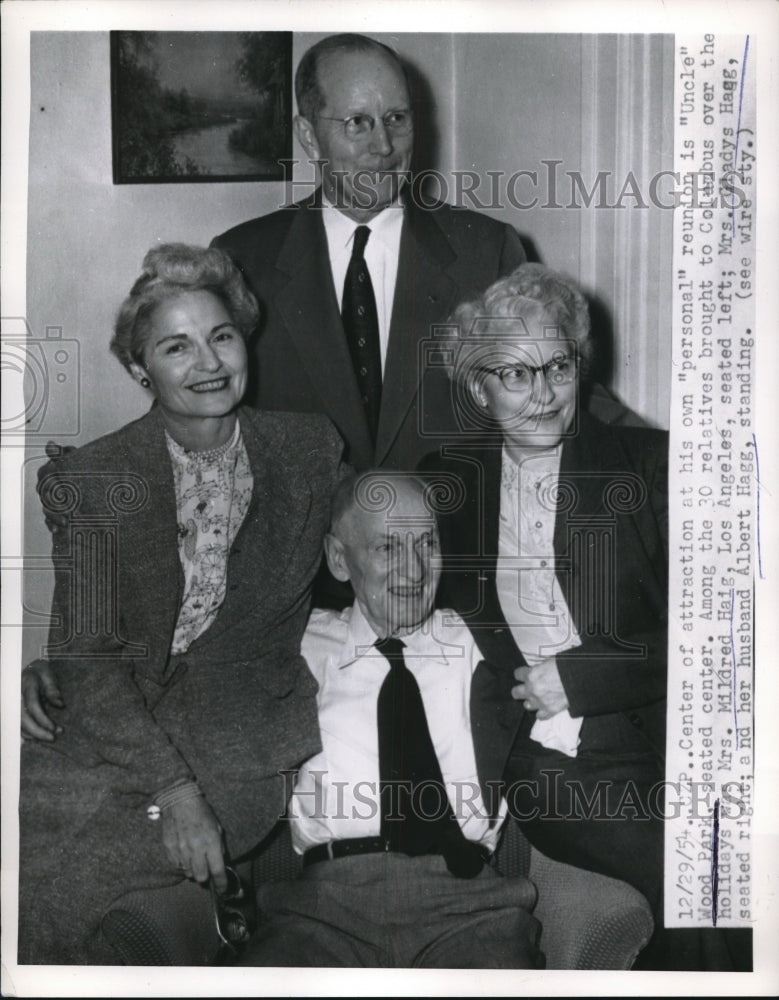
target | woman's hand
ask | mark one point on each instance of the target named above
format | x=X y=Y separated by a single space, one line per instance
x=540 y=688
x=39 y=688
x=193 y=839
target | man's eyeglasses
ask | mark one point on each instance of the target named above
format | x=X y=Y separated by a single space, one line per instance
x=521 y=378
x=360 y=126
x=235 y=921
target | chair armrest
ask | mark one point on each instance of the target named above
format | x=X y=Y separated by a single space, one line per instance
x=172 y=926
x=589 y=921
x=275 y=859
x=176 y=926
x=512 y=857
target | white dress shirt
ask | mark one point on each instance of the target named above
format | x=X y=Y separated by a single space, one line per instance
x=529 y=593
x=381 y=257
x=337 y=793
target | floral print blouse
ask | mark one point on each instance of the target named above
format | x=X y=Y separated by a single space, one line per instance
x=213 y=491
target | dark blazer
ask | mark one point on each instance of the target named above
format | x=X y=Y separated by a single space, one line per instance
x=446 y=255
x=610 y=544
x=611 y=528
x=495 y=721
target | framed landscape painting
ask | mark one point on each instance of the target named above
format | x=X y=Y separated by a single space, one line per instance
x=192 y=106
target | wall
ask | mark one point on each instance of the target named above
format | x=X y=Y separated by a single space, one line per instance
x=589 y=104
x=517 y=105
x=499 y=103
x=87 y=236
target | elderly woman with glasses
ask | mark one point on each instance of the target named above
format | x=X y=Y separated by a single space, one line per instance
x=187 y=544
x=554 y=533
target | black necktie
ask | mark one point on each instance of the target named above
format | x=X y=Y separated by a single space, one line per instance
x=361 y=325
x=416 y=815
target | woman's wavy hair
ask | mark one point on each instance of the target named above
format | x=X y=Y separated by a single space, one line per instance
x=531 y=292
x=169 y=270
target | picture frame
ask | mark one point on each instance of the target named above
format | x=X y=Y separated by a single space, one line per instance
x=200 y=106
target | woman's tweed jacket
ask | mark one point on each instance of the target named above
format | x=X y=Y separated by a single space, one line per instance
x=235 y=711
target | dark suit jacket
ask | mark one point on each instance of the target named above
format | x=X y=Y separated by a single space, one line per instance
x=495 y=721
x=611 y=561
x=239 y=704
x=446 y=255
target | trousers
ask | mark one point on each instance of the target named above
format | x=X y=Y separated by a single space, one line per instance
x=394 y=911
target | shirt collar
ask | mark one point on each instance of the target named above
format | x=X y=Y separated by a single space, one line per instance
x=213 y=456
x=360 y=637
x=340 y=229
x=546 y=463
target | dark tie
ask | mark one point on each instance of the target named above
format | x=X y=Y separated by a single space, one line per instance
x=416 y=815
x=361 y=325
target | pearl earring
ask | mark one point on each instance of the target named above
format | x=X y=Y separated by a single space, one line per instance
x=145 y=383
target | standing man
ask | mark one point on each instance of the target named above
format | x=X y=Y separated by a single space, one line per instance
x=353 y=279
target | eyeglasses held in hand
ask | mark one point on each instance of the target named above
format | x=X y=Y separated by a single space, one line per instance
x=232 y=914
x=360 y=126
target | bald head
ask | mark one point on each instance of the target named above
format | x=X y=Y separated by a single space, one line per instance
x=355 y=121
x=308 y=87
x=383 y=538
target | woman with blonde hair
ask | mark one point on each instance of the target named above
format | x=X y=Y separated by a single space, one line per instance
x=183 y=569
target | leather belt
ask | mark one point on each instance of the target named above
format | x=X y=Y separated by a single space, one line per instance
x=471 y=854
x=344 y=848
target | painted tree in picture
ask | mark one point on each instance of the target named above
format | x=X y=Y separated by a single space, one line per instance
x=265 y=66
x=201 y=105
x=148 y=113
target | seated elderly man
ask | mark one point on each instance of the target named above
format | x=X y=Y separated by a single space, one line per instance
x=398 y=816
